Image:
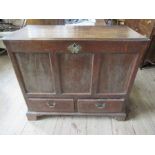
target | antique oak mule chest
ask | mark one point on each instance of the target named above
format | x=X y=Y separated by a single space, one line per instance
x=76 y=70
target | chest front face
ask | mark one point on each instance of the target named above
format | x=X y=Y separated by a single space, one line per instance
x=67 y=75
x=76 y=68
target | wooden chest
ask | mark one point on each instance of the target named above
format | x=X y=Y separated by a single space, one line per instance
x=82 y=70
x=149 y=56
x=147 y=28
x=142 y=26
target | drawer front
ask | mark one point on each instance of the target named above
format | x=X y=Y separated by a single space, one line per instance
x=100 y=105
x=52 y=105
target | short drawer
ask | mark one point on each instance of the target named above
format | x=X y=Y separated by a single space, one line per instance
x=51 y=105
x=100 y=105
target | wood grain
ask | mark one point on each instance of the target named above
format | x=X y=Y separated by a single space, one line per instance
x=36 y=72
x=115 y=68
x=143 y=26
x=75 y=72
x=100 y=105
x=75 y=33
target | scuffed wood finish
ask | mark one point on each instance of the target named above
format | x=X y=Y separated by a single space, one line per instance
x=99 y=106
x=149 y=57
x=36 y=71
x=56 y=80
x=31 y=117
x=75 y=72
x=115 y=68
x=75 y=33
x=143 y=26
x=55 y=105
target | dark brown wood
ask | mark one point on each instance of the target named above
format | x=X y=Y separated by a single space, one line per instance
x=77 y=67
x=45 y=22
x=56 y=73
x=143 y=26
x=106 y=33
x=147 y=28
x=115 y=68
x=96 y=61
x=36 y=72
x=51 y=105
x=44 y=46
x=149 y=57
x=100 y=105
x=71 y=70
x=118 y=116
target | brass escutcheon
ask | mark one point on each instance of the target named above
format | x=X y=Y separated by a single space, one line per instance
x=74 y=48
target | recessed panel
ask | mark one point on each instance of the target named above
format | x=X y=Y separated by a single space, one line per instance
x=36 y=72
x=114 y=72
x=75 y=72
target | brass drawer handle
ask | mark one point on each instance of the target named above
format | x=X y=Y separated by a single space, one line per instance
x=74 y=48
x=51 y=104
x=100 y=105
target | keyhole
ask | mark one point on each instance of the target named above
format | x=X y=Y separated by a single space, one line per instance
x=74 y=45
